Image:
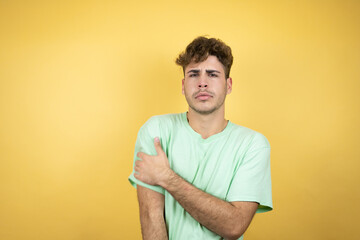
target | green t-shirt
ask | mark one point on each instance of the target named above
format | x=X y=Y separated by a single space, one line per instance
x=233 y=165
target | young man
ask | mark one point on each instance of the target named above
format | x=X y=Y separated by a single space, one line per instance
x=199 y=176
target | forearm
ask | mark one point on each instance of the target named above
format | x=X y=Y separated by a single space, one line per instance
x=151 y=207
x=215 y=214
x=153 y=227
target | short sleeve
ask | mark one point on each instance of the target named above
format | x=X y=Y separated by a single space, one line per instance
x=252 y=179
x=145 y=143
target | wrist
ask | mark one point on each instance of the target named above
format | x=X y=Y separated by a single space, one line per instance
x=169 y=175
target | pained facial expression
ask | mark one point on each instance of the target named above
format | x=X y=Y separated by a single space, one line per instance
x=205 y=87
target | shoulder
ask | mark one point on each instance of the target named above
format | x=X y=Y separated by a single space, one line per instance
x=162 y=122
x=172 y=118
x=255 y=139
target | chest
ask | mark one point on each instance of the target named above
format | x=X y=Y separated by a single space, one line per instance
x=209 y=166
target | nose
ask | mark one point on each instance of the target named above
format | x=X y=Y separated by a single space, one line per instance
x=202 y=82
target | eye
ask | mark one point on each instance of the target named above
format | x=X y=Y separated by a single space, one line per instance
x=213 y=75
x=193 y=75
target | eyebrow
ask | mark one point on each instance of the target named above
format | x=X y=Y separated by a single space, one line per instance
x=211 y=71
x=194 y=71
x=198 y=70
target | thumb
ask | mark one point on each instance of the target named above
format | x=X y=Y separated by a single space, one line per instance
x=157 y=144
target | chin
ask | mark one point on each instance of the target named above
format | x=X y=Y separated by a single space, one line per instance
x=204 y=111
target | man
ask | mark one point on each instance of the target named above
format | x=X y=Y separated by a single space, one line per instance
x=199 y=176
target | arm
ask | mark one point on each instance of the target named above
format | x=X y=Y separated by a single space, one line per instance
x=229 y=220
x=151 y=206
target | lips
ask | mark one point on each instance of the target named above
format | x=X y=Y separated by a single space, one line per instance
x=203 y=96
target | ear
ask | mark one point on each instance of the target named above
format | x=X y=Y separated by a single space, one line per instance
x=182 y=86
x=229 y=85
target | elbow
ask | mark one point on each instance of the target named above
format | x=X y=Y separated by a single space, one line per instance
x=234 y=233
x=233 y=237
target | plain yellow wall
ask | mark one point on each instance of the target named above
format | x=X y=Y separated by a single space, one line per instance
x=79 y=78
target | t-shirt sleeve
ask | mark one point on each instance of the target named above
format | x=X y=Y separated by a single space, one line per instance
x=145 y=143
x=252 y=179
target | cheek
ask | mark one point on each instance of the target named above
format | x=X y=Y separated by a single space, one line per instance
x=186 y=91
x=219 y=86
x=187 y=87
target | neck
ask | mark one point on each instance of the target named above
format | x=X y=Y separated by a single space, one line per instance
x=207 y=125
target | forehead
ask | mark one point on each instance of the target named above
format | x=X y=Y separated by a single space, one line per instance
x=211 y=62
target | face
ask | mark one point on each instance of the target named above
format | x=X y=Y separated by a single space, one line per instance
x=205 y=87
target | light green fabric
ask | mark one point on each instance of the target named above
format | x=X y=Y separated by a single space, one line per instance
x=233 y=165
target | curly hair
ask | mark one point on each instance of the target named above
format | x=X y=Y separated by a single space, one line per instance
x=199 y=50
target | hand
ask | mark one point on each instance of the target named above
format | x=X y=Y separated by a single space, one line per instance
x=153 y=170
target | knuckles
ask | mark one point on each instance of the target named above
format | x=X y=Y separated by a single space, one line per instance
x=142 y=155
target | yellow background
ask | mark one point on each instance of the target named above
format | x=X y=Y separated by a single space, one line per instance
x=79 y=78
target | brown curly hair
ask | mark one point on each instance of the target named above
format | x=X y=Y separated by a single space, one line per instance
x=199 y=50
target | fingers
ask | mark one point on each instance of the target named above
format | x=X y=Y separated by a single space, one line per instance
x=137 y=165
x=157 y=145
x=141 y=155
x=137 y=169
x=137 y=176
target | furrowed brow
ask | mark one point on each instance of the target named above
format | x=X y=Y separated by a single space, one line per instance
x=212 y=71
x=194 y=71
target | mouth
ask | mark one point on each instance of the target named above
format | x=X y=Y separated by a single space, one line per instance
x=203 y=96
